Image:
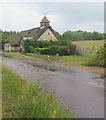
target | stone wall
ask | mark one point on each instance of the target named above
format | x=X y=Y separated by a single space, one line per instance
x=47 y=35
x=15 y=48
x=7 y=47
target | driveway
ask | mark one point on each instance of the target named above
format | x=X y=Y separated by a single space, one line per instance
x=81 y=90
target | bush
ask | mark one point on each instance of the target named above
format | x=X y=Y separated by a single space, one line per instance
x=28 y=46
x=45 y=44
x=63 y=50
x=99 y=58
x=31 y=49
x=42 y=50
x=49 y=47
x=72 y=49
x=54 y=50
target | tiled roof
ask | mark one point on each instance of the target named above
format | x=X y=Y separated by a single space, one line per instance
x=35 y=33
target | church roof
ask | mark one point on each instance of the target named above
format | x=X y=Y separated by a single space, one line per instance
x=45 y=20
x=35 y=33
x=13 y=39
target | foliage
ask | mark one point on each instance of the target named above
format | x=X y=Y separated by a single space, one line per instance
x=68 y=35
x=31 y=49
x=42 y=50
x=83 y=35
x=63 y=50
x=99 y=58
x=21 y=100
x=5 y=34
x=47 y=47
x=54 y=50
x=60 y=50
x=72 y=49
x=45 y=44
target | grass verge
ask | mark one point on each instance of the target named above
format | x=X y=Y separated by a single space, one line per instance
x=19 y=55
x=72 y=59
x=21 y=100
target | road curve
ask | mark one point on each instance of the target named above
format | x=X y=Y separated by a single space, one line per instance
x=81 y=90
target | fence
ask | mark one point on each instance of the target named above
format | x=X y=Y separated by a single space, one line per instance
x=87 y=49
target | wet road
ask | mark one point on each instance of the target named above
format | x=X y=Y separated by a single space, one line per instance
x=81 y=90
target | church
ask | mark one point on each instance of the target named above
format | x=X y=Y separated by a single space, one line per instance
x=44 y=32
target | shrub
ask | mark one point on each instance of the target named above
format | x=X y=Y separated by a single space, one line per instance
x=99 y=58
x=63 y=50
x=45 y=44
x=54 y=50
x=42 y=50
x=31 y=49
x=72 y=49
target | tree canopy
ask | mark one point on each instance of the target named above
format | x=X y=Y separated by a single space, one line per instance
x=68 y=35
x=5 y=34
x=83 y=35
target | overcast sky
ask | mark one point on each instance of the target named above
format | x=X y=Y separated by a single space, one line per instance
x=63 y=16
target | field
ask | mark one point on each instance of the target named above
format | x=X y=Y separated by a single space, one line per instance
x=88 y=43
x=21 y=100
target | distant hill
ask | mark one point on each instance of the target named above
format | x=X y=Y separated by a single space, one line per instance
x=83 y=35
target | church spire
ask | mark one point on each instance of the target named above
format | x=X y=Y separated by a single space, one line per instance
x=44 y=22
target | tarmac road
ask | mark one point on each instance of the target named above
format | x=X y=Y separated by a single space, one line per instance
x=81 y=90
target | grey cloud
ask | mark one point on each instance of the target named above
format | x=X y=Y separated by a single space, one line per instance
x=70 y=13
x=75 y=11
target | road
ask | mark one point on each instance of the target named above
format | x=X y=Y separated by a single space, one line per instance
x=81 y=90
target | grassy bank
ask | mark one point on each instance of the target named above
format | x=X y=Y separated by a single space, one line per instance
x=20 y=56
x=21 y=100
x=72 y=59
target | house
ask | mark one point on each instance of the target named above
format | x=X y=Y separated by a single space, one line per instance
x=44 y=32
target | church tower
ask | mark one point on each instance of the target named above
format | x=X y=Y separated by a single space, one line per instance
x=44 y=22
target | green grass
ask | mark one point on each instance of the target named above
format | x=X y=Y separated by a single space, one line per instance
x=88 y=43
x=72 y=59
x=21 y=100
x=28 y=56
x=19 y=55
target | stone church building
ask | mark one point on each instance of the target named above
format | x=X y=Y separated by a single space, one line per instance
x=44 y=32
